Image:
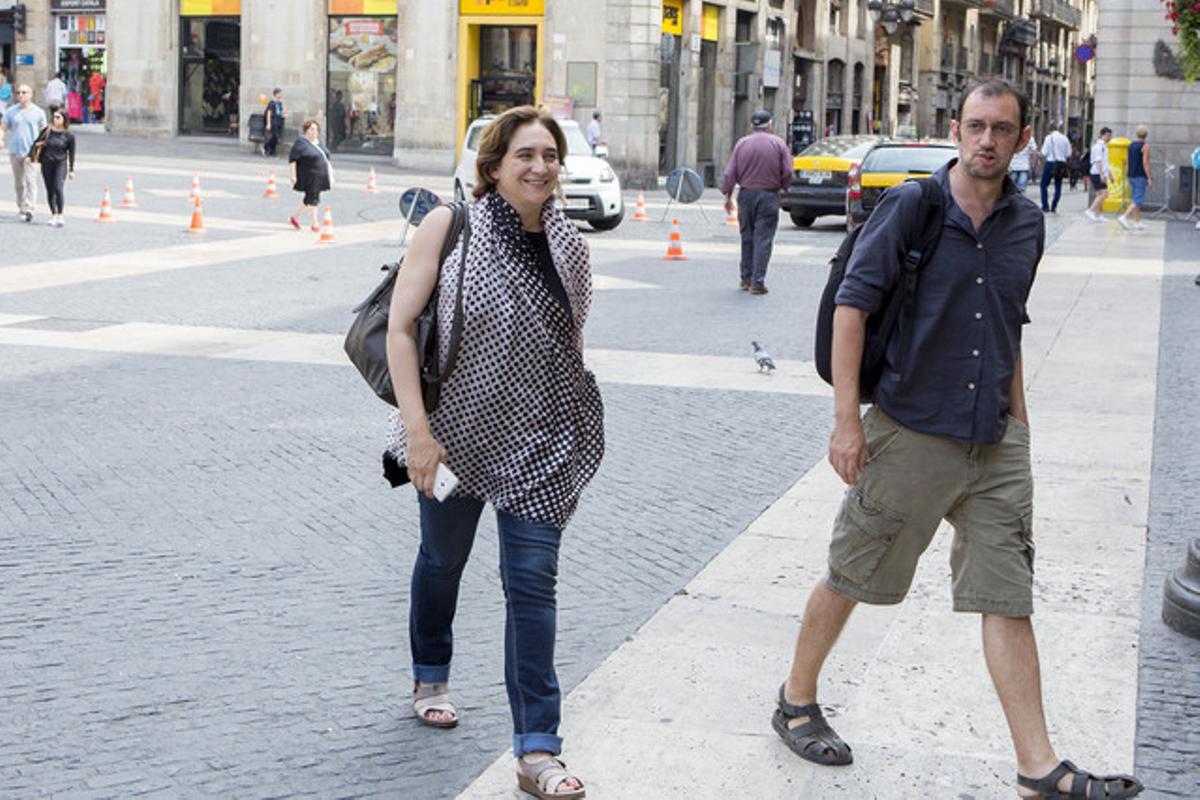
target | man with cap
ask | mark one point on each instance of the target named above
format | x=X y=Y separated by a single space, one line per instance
x=761 y=166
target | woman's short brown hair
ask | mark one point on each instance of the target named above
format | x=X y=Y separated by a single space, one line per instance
x=61 y=110
x=308 y=123
x=498 y=136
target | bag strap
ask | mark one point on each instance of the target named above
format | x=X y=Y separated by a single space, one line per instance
x=931 y=218
x=459 y=223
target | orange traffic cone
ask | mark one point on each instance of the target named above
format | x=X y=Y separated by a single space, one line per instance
x=326 y=227
x=639 y=214
x=731 y=217
x=106 y=208
x=371 y=187
x=129 y=201
x=197 y=225
x=674 y=244
x=194 y=194
x=271 y=185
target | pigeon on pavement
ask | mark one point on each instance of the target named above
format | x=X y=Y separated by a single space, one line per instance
x=763 y=359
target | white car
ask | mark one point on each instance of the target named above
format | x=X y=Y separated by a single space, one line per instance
x=591 y=188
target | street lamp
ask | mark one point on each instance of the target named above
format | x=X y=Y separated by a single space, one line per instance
x=890 y=13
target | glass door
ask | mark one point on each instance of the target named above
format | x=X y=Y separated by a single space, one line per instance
x=209 y=75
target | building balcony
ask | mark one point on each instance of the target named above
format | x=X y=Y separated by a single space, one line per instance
x=1005 y=9
x=1057 y=12
x=925 y=8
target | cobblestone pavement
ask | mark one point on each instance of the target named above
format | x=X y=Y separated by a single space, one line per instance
x=1168 y=733
x=203 y=585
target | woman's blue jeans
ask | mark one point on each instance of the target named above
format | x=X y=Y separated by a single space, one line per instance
x=529 y=573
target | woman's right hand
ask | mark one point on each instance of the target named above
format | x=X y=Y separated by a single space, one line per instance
x=424 y=453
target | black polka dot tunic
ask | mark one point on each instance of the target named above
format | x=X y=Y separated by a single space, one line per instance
x=520 y=416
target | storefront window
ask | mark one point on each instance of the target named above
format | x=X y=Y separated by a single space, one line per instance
x=81 y=48
x=507 y=69
x=362 y=84
x=210 y=74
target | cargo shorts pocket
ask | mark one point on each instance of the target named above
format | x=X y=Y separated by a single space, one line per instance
x=863 y=534
x=1027 y=538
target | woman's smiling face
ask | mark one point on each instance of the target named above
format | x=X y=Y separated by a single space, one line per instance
x=528 y=173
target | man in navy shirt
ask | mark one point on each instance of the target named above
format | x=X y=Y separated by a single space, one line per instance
x=948 y=438
x=273 y=122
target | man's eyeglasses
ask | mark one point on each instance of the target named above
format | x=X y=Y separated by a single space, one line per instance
x=1001 y=130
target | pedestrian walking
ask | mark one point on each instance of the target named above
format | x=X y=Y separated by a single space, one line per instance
x=1056 y=149
x=23 y=122
x=57 y=157
x=761 y=167
x=1022 y=164
x=1100 y=175
x=55 y=94
x=6 y=90
x=312 y=173
x=948 y=438
x=1138 y=171
x=595 y=136
x=519 y=365
x=273 y=122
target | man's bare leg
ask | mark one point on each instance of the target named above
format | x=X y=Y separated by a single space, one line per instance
x=1012 y=659
x=824 y=617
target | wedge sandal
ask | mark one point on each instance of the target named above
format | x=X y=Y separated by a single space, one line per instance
x=1084 y=786
x=814 y=740
x=542 y=779
x=430 y=697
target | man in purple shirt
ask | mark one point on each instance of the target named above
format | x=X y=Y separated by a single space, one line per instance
x=761 y=166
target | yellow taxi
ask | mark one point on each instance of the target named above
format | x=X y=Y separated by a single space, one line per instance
x=819 y=183
x=887 y=165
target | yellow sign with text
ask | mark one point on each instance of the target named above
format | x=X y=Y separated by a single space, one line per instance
x=672 y=19
x=502 y=8
x=372 y=7
x=710 y=24
x=210 y=8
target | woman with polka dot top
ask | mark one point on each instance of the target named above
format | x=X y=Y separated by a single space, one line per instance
x=519 y=421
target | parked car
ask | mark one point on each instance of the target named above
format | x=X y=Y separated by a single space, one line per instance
x=591 y=190
x=887 y=165
x=819 y=184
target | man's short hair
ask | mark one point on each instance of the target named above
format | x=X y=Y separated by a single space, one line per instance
x=761 y=119
x=596 y=114
x=58 y=75
x=997 y=87
x=1105 y=130
x=276 y=91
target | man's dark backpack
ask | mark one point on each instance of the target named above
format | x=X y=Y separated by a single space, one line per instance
x=924 y=235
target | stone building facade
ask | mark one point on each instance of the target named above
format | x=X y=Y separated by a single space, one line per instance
x=677 y=80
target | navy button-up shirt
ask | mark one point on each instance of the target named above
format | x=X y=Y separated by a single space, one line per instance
x=950 y=362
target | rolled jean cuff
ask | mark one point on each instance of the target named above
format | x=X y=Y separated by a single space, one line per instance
x=536 y=743
x=431 y=673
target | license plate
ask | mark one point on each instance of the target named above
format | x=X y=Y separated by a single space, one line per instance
x=815 y=176
x=578 y=203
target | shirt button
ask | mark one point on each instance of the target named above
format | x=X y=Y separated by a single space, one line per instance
x=979 y=245
x=971 y=386
x=975 y=353
x=978 y=315
x=979 y=279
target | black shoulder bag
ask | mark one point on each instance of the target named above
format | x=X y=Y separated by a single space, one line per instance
x=366 y=341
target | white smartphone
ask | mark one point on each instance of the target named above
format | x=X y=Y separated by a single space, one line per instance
x=444 y=482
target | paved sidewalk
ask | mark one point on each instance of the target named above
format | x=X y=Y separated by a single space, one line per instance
x=683 y=707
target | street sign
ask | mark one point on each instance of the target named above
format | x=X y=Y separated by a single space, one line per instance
x=415 y=203
x=1084 y=53
x=685 y=185
x=25 y=60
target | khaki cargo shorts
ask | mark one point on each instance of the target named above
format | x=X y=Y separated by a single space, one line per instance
x=911 y=483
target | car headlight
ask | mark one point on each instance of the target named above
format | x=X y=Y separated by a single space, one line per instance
x=607 y=175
